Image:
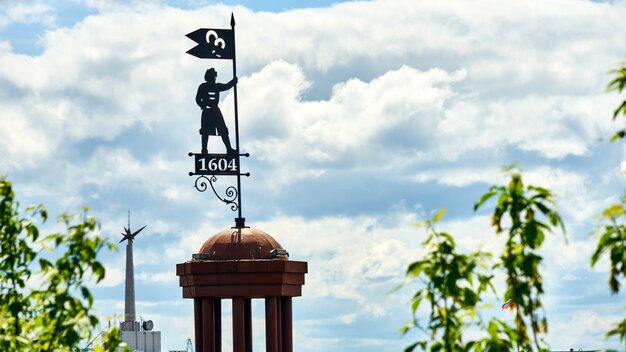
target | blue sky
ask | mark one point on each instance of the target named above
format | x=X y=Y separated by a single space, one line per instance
x=362 y=118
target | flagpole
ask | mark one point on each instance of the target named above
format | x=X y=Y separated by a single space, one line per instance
x=239 y=221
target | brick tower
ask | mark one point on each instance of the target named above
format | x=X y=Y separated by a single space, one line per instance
x=242 y=264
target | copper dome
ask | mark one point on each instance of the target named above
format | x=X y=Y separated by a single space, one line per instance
x=240 y=243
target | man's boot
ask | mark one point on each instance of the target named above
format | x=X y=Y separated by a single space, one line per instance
x=205 y=142
x=229 y=149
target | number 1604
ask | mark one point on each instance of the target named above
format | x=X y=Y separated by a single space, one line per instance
x=218 y=164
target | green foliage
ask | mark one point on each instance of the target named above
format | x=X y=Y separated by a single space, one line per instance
x=619 y=329
x=618 y=84
x=450 y=286
x=111 y=341
x=501 y=337
x=612 y=242
x=452 y=283
x=612 y=238
x=525 y=214
x=45 y=304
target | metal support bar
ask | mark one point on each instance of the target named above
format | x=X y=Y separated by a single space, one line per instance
x=237 y=159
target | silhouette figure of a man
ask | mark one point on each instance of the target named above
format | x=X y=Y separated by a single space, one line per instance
x=212 y=121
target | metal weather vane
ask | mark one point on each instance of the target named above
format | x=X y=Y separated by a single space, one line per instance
x=217 y=44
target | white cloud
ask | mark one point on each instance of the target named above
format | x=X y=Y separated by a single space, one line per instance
x=584 y=329
x=575 y=193
x=554 y=126
x=114 y=275
x=166 y=276
x=345 y=129
x=458 y=177
x=26 y=12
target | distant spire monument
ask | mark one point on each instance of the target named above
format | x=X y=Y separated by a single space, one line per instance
x=130 y=322
x=139 y=336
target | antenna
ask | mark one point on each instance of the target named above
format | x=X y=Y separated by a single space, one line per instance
x=189 y=346
x=129 y=219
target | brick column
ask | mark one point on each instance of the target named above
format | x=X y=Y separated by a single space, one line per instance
x=271 y=324
x=247 y=317
x=208 y=325
x=238 y=325
x=286 y=324
x=217 y=319
x=199 y=333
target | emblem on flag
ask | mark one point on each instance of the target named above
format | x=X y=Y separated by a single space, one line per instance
x=213 y=43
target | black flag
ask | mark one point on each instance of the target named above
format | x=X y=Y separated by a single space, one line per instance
x=213 y=43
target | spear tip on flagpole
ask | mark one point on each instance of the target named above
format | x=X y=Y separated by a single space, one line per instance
x=232 y=19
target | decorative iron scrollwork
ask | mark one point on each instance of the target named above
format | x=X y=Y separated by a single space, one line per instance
x=230 y=194
x=201 y=183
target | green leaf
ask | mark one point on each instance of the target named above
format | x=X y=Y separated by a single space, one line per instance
x=86 y=294
x=613 y=211
x=415 y=268
x=44 y=264
x=412 y=347
x=618 y=135
x=530 y=232
x=485 y=197
x=438 y=215
x=417 y=300
x=620 y=109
